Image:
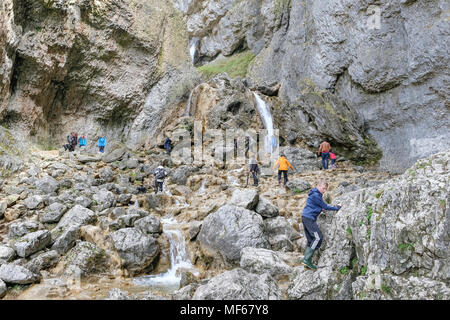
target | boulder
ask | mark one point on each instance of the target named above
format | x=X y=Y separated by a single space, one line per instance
x=260 y=261
x=78 y=216
x=21 y=228
x=15 y=274
x=301 y=159
x=32 y=242
x=239 y=284
x=43 y=261
x=85 y=259
x=47 y=184
x=280 y=233
x=54 y=213
x=137 y=250
x=114 y=155
x=149 y=225
x=65 y=238
x=105 y=199
x=117 y=294
x=34 y=202
x=180 y=175
x=266 y=208
x=230 y=229
x=7 y=254
x=246 y=198
x=83 y=201
x=298 y=185
x=3 y=289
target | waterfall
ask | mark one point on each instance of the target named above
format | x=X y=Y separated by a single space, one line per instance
x=202 y=188
x=193 y=48
x=188 y=105
x=179 y=259
x=264 y=113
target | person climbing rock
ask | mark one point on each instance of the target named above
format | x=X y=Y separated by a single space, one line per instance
x=168 y=145
x=254 y=170
x=324 y=150
x=314 y=206
x=160 y=173
x=102 y=144
x=82 y=141
x=283 y=167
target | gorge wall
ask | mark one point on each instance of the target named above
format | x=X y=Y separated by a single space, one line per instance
x=122 y=68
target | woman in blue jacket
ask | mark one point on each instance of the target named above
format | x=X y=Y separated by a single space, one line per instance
x=82 y=141
x=102 y=143
x=314 y=206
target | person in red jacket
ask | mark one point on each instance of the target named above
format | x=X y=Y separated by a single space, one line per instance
x=333 y=160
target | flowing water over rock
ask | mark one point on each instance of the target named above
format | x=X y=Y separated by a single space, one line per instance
x=266 y=116
x=179 y=260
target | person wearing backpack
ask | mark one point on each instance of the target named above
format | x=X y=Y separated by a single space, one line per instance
x=160 y=173
x=254 y=169
x=102 y=144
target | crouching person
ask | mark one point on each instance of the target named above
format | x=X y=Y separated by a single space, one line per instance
x=314 y=206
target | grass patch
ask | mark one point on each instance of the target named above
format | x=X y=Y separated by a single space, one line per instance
x=363 y=270
x=234 y=66
x=442 y=204
x=344 y=270
x=386 y=288
x=379 y=194
x=406 y=246
x=369 y=212
x=349 y=231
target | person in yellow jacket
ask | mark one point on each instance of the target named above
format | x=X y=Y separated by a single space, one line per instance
x=283 y=167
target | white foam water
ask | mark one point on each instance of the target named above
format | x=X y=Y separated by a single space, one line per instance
x=266 y=117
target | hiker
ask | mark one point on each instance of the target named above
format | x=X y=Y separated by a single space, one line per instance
x=333 y=160
x=160 y=173
x=283 y=167
x=324 y=150
x=254 y=169
x=71 y=142
x=168 y=145
x=314 y=206
x=82 y=141
x=102 y=144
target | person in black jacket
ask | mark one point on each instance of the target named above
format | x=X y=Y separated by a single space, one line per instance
x=168 y=145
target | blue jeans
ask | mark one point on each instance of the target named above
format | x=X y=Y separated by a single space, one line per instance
x=325 y=157
x=312 y=232
x=102 y=148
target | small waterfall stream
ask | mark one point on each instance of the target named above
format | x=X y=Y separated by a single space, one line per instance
x=266 y=116
x=179 y=260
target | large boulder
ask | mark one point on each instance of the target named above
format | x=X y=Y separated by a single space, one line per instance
x=180 y=175
x=266 y=208
x=259 y=261
x=246 y=198
x=239 y=284
x=280 y=233
x=32 y=243
x=54 y=213
x=105 y=199
x=15 y=274
x=20 y=228
x=78 y=216
x=43 y=261
x=34 y=202
x=149 y=225
x=7 y=254
x=138 y=251
x=230 y=229
x=65 y=238
x=85 y=259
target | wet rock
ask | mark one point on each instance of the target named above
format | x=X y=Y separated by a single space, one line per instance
x=230 y=229
x=239 y=284
x=15 y=274
x=85 y=259
x=7 y=254
x=137 y=250
x=185 y=292
x=259 y=261
x=149 y=225
x=117 y=294
x=266 y=208
x=32 y=242
x=43 y=261
x=65 y=238
x=246 y=198
x=47 y=185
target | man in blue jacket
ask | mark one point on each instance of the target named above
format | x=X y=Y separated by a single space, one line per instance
x=102 y=144
x=314 y=206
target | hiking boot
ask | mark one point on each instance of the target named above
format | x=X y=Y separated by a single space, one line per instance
x=307 y=259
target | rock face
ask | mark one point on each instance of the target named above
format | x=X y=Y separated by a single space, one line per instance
x=137 y=250
x=230 y=229
x=239 y=284
x=387 y=241
x=259 y=261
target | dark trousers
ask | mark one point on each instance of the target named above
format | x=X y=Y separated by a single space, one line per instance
x=284 y=176
x=168 y=149
x=325 y=157
x=102 y=149
x=312 y=232
x=255 y=178
x=158 y=185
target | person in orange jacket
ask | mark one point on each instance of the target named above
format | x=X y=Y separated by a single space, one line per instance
x=283 y=167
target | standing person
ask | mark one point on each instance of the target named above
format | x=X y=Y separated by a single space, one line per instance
x=72 y=141
x=102 y=144
x=314 y=206
x=324 y=150
x=168 y=145
x=254 y=169
x=283 y=167
x=333 y=160
x=82 y=141
x=160 y=173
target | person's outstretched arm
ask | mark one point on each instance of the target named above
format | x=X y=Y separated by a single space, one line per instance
x=318 y=201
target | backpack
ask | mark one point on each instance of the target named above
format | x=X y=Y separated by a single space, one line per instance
x=160 y=174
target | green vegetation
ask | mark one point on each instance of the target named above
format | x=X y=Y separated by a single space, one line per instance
x=363 y=270
x=369 y=212
x=344 y=270
x=406 y=246
x=386 y=288
x=349 y=231
x=379 y=194
x=442 y=204
x=235 y=65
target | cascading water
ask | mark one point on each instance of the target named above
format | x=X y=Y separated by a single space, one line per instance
x=188 y=105
x=193 y=48
x=179 y=260
x=266 y=116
